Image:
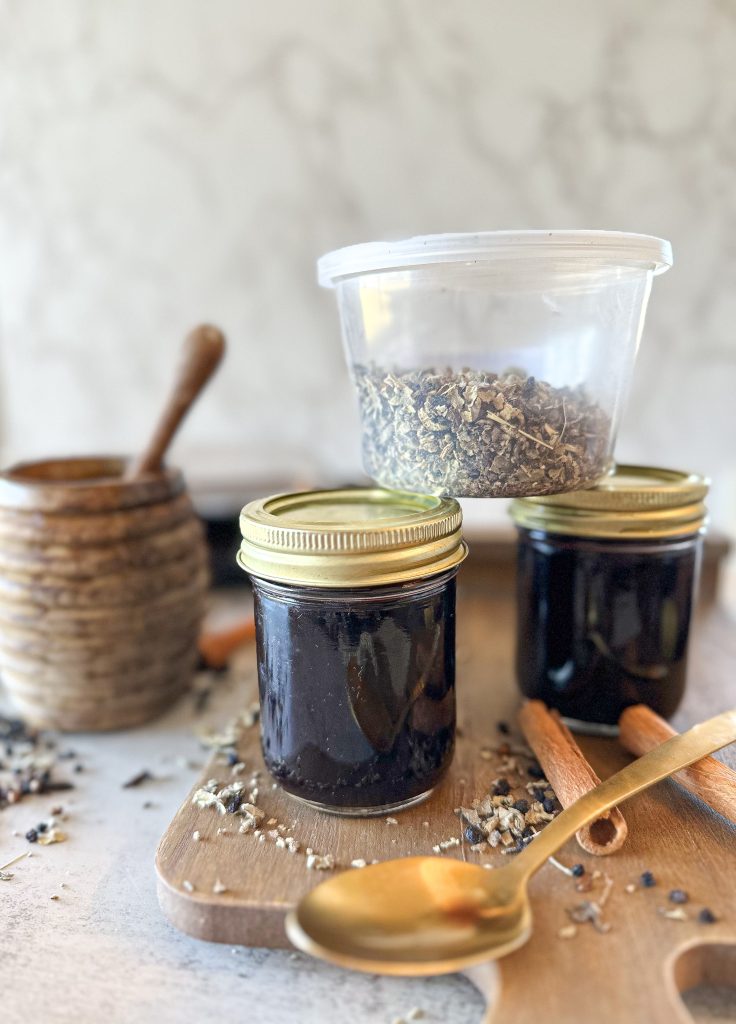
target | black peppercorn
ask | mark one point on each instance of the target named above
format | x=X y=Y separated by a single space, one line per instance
x=706 y=916
x=578 y=870
x=548 y=805
x=522 y=805
x=648 y=880
x=535 y=770
x=232 y=757
x=474 y=835
x=41 y=827
x=528 y=831
x=502 y=788
x=235 y=803
x=678 y=896
x=78 y=768
x=503 y=728
x=32 y=835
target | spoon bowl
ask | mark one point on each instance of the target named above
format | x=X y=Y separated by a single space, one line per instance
x=396 y=917
x=436 y=915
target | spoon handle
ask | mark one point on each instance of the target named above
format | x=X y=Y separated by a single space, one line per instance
x=202 y=351
x=658 y=764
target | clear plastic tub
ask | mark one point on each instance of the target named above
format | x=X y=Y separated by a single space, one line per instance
x=493 y=364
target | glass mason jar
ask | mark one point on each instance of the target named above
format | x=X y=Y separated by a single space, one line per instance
x=605 y=591
x=355 y=627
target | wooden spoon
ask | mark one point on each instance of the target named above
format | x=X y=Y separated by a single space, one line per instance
x=202 y=351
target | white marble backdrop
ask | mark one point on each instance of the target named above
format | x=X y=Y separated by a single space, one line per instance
x=166 y=161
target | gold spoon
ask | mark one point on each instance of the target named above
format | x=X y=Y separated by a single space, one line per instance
x=434 y=915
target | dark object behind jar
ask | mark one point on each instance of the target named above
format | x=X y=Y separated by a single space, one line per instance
x=603 y=624
x=357 y=690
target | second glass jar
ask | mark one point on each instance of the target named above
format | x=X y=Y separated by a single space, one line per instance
x=606 y=585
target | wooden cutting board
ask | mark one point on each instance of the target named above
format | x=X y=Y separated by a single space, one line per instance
x=630 y=973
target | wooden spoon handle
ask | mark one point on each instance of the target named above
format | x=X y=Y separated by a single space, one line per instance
x=218 y=648
x=571 y=776
x=641 y=729
x=202 y=351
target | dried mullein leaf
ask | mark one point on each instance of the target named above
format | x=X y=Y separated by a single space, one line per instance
x=479 y=434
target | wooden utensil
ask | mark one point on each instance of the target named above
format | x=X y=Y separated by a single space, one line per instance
x=430 y=915
x=641 y=730
x=203 y=349
x=571 y=776
x=217 y=648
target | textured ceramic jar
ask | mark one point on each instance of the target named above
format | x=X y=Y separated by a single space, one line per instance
x=103 y=585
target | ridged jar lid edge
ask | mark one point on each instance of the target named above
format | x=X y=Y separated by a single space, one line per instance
x=350 y=537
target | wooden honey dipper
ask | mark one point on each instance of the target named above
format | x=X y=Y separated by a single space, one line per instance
x=641 y=730
x=570 y=775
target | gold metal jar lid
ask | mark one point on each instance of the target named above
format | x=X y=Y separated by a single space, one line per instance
x=636 y=502
x=357 y=537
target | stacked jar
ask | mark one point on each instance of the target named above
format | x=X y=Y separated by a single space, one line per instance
x=485 y=365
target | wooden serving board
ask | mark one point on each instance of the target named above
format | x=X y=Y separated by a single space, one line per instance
x=631 y=973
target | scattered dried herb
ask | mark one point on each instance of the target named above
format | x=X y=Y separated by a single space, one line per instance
x=648 y=880
x=138 y=780
x=446 y=844
x=53 y=835
x=479 y=434
x=591 y=911
x=27 y=767
x=474 y=834
x=316 y=862
x=501 y=819
x=678 y=896
x=674 y=914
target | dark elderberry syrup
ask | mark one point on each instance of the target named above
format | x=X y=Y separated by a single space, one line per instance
x=604 y=623
x=354 y=595
x=357 y=690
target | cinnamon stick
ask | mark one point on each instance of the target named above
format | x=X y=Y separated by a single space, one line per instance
x=570 y=775
x=641 y=729
x=218 y=648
